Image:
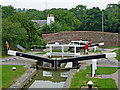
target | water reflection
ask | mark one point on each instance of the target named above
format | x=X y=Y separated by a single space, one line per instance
x=48 y=79
x=46 y=84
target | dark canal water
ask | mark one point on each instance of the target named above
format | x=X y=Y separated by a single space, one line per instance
x=48 y=79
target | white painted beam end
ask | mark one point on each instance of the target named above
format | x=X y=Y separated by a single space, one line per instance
x=110 y=55
x=11 y=52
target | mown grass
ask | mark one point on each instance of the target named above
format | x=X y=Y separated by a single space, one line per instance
x=27 y=51
x=80 y=79
x=117 y=54
x=0 y=77
x=112 y=47
x=104 y=70
x=41 y=53
x=5 y=56
x=9 y=76
x=95 y=51
x=54 y=50
x=58 y=50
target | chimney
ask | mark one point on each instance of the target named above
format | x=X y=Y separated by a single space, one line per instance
x=48 y=15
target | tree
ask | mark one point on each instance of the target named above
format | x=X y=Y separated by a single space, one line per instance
x=14 y=33
x=34 y=14
x=65 y=18
x=7 y=11
x=111 y=17
x=93 y=19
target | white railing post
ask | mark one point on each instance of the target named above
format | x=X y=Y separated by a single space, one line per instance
x=50 y=51
x=62 y=51
x=93 y=68
x=74 y=51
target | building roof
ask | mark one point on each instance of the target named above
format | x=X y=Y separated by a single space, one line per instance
x=40 y=22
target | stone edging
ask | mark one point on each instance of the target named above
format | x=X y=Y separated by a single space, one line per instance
x=69 y=79
x=21 y=81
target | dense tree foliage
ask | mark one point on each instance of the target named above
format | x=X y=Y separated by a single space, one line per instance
x=79 y=18
x=8 y=11
x=17 y=27
x=34 y=14
x=91 y=19
x=111 y=16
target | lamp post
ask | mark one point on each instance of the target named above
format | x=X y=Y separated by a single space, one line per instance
x=102 y=22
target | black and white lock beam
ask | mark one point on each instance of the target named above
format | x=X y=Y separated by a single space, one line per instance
x=81 y=58
x=88 y=57
x=96 y=44
x=25 y=55
x=59 y=61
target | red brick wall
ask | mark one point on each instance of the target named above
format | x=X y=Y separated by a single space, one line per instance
x=110 y=39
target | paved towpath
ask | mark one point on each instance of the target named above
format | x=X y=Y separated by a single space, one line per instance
x=16 y=60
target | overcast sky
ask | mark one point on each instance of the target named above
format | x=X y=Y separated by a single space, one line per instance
x=41 y=4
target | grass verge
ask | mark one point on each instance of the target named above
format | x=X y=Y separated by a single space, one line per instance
x=80 y=79
x=93 y=51
x=58 y=50
x=41 y=53
x=54 y=50
x=9 y=76
x=117 y=54
x=5 y=56
x=112 y=47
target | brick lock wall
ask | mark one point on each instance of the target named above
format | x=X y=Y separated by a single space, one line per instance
x=110 y=39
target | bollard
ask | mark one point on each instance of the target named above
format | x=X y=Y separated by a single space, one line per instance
x=14 y=68
x=90 y=84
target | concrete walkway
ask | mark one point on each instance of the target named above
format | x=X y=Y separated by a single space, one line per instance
x=16 y=60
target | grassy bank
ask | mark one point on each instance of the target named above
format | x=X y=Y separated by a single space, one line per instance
x=93 y=51
x=58 y=50
x=5 y=56
x=41 y=53
x=117 y=54
x=54 y=50
x=112 y=47
x=80 y=79
x=9 y=76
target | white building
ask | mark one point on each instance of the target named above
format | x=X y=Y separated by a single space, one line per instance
x=50 y=19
